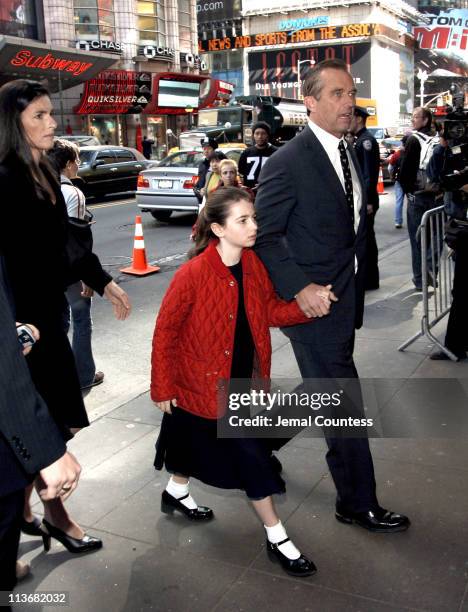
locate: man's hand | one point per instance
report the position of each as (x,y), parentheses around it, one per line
(59,479)
(315,300)
(120,302)
(166,405)
(86,291)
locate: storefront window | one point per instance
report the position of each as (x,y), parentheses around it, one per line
(94,19)
(151,22)
(184,24)
(18,18)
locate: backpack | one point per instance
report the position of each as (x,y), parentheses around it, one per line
(428,144)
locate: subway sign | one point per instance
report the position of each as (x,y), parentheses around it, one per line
(271,39)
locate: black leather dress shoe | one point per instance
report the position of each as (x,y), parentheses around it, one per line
(379,520)
(74,545)
(300,568)
(441,356)
(169,503)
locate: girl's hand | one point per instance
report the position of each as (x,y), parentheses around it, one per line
(166,405)
(86,291)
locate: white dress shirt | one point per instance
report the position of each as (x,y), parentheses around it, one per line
(330,144)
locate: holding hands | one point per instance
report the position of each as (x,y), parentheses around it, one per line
(315,300)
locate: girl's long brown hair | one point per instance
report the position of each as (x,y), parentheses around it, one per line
(216,210)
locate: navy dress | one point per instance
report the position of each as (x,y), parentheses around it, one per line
(188,444)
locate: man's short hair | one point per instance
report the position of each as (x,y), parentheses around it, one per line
(313,83)
(426,113)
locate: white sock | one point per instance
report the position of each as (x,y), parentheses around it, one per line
(178,490)
(276,534)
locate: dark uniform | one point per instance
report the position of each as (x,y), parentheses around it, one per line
(368,154)
(203,167)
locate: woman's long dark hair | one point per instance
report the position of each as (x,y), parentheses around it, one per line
(15,97)
(216,210)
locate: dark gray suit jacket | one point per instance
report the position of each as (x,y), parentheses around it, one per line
(29,438)
(306,235)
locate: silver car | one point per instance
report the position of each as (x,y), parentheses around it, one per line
(168,186)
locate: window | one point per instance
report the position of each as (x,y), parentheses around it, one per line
(124,156)
(106,156)
(185,35)
(94,19)
(151,22)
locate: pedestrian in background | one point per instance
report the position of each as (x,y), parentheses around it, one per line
(230,177)
(213,177)
(205,307)
(65,158)
(368,156)
(208,146)
(394,163)
(147,146)
(419,201)
(39,270)
(252,159)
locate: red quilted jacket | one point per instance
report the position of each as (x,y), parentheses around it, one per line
(194,334)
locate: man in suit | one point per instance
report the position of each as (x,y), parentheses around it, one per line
(30,443)
(311,209)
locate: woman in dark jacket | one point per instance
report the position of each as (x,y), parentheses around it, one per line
(33,239)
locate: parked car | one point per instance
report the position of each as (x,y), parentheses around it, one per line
(108,169)
(167,186)
(82,140)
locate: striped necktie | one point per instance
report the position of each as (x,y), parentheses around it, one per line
(348,181)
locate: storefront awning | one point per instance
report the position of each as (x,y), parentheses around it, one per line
(60,66)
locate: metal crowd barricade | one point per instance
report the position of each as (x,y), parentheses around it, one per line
(436,279)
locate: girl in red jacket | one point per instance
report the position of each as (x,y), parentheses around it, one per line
(213,325)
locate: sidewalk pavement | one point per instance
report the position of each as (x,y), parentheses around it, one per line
(154,562)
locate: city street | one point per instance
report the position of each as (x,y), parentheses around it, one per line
(166,244)
(150,561)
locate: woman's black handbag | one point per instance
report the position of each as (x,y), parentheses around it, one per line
(80,237)
(456,232)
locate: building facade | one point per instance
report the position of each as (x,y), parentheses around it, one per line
(279,43)
(128,41)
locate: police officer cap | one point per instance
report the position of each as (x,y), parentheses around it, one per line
(209,142)
(360,111)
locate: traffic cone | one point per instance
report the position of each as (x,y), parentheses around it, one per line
(139,265)
(380,184)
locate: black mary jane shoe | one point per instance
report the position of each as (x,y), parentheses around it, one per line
(74,545)
(32,528)
(169,503)
(378,521)
(300,568)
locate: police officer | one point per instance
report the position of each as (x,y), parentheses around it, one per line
(208,146)
(368,154)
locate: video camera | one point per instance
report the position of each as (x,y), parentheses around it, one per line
(456,133)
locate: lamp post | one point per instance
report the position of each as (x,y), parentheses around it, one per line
(311,62)
(422,76)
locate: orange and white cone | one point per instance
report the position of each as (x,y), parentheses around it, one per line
(139,265)
(380,183)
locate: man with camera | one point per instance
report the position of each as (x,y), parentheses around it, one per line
(419,200)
